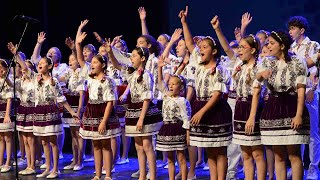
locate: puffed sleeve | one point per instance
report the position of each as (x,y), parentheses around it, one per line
(85,70)
(185,108)
(147,84)
(300,68)
(222,78)
(190,77)
(58,92)
(110,93)
(7,91)
(264,64)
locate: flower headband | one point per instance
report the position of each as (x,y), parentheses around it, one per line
(214,42)
(103,58)
(254,39)
(142,51)
(275,33)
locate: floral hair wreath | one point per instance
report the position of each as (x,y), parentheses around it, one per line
(275,33)
(142,51)
(214,42)
(265,33)
(253,38)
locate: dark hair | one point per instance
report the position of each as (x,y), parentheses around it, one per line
(32,64)
(298,21)
(4,63)
(214,45)
(155,45)
(253,42)
(142,52)
(283,38)
(91,48)
(50,62)
(102,60)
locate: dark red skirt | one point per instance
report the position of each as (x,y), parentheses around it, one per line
(122,107)
(73,101)
(276,118)
(215,127)
(47,120)
(151,124)
(171,137)
(242,113)
(25,117)
(91,120)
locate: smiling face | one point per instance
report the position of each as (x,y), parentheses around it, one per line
(175,86)
(181,48)
(44,66)
(274,47)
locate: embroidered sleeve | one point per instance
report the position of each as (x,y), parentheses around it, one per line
(110,93)
(222,77)
(185,108)
(301,71)
(84,71)
(147,84)
(58,92)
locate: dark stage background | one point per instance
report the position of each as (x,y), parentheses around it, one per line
(60,19)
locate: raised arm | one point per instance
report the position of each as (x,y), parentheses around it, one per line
(245,21)
(111,56)
(143,15)
(79,38)
(98,38)
(186,31)
(161,83)
(70,43)
(13,49)
(35,58)
(174,38)
(215,22)
(116,40)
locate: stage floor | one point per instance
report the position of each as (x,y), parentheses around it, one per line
(123,172)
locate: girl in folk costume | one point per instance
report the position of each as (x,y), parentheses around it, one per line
(211,124)
(143,118)
(47,123)
(99,122)
(176,112)
(114,74)
(25,113)
(6,126)
(59,69)
(284,122)
(75,97)
(248,108)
